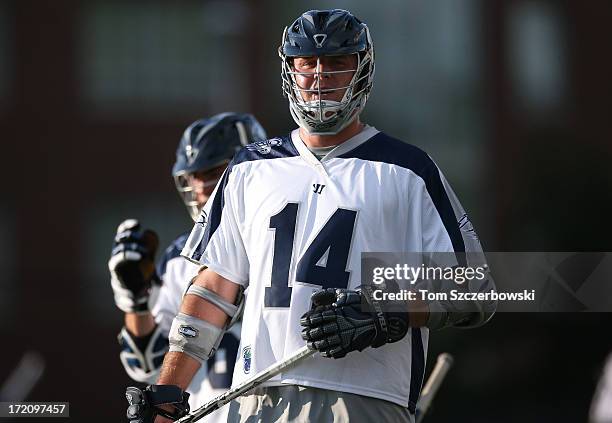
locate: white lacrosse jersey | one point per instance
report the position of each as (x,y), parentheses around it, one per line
(285,225)
(215,375)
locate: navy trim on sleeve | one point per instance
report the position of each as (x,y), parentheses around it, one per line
(383,148)
(417,369)
(274,148)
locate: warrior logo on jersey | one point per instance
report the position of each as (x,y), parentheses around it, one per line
(246,359)
(264,147)
(188,331)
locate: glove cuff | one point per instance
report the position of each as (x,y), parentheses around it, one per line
(125,300)
(375,308)
(145,404)
(391,326)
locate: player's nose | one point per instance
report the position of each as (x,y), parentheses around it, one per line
(322,70)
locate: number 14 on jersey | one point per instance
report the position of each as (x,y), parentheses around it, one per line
(324,262)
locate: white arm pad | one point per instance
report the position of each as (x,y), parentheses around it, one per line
(234,311)
(213,298)
(194,337)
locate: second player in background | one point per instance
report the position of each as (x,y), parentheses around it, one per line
(150,294)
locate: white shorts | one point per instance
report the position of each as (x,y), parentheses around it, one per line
(299,404)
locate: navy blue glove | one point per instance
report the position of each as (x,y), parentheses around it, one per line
(144,404)
(132,266)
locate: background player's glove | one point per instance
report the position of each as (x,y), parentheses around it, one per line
(342,321)
(132,266)
(144,404)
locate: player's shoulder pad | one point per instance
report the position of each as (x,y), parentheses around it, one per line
(273,148)
(173,251)
(384,148)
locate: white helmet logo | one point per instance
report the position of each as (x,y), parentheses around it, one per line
(319,39)
(191,153)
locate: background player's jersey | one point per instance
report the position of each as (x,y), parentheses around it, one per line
(291,224)
(215,375)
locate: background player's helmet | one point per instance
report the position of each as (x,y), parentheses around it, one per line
(327,33)
(209,143)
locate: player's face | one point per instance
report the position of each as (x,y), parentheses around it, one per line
(203,183)
(324,77)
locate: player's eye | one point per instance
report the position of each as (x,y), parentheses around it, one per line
(340,63)
(305,64)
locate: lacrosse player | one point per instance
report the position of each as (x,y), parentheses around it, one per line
(204,151)
(283,234)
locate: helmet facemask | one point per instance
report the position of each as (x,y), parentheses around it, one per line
(323,116)
(189,187)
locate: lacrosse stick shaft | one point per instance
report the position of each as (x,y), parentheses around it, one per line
(443,365)
(247,385)
(24,377)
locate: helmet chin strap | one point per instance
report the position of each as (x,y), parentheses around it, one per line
(323,107)
(312,131)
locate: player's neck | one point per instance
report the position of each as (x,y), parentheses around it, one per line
(347,133)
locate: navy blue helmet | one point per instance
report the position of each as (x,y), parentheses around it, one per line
(210,143)
(319,33)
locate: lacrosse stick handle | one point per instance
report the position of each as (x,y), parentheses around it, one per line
(443,365)
(23,378)
(247,385)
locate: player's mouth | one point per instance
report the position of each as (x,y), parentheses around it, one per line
(323,97)
(329,94)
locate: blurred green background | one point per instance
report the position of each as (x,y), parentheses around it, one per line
(512,99)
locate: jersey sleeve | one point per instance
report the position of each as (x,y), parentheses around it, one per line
(216,239)
(166,306)
(446,228)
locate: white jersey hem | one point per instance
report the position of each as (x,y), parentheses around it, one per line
(386,396)
(232,277)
